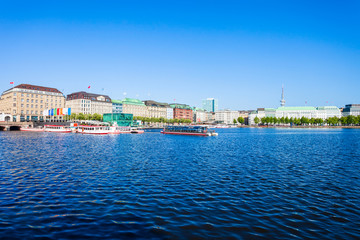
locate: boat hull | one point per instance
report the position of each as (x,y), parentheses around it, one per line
(59,131)
(31,130)
(186,133)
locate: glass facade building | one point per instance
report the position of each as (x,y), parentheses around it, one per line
(210,104)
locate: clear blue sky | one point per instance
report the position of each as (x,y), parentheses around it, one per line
(239,52)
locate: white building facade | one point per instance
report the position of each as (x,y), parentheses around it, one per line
(89,103)
(226,116)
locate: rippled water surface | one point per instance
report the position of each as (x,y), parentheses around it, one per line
(242,184)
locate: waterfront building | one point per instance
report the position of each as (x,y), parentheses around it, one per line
(351,109)
(210,116)
(169,112)
(135,107)
(328,111)
(295,112)
(200,115)
(226,116)
(182,111)
(245,115)
(210,104)
(156,109)
(116,106)
(5,117)
(27,102)
(89,103)
(121,119)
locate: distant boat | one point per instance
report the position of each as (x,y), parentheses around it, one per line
(189,130)
(136,131)
(119,130)
(222,126)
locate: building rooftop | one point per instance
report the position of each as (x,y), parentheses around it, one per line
(156,104)
(37,88)
(327,108)
(116,101)
(133,101)
(181,106)
(295,108)
(90,96)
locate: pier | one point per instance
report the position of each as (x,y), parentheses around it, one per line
(14,126)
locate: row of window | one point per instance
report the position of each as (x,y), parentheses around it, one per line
(36,101)
(32,95)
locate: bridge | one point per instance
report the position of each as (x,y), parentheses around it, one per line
(13,126)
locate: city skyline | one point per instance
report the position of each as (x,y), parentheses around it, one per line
(186,52)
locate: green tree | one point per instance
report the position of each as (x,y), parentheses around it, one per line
(343,121)
(350,120)
(234,121)
(73,116)
(304,120)
(287,120)
(97,117)
(256,120)
(81,116)
(241,120)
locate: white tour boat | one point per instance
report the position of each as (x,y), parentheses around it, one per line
(94,129)
(57,128)
(119,129)
(30,129)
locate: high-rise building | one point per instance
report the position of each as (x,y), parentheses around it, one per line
(210,104)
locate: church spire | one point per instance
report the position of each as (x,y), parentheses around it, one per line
(282,97)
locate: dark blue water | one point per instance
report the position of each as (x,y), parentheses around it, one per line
(243,184)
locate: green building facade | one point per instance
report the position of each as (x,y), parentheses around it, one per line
(122,119)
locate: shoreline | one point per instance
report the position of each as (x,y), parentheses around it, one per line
(350,127)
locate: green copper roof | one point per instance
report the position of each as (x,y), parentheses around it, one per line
(182,106)
(116,101)
(133,101)
(328,108)
(296,109)
(270,109)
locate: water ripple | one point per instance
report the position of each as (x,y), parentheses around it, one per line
(243,184)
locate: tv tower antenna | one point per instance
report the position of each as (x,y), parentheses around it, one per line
(282,97)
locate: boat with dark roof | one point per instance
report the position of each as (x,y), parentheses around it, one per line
(189,130)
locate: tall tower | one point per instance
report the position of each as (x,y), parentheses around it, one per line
(282,97)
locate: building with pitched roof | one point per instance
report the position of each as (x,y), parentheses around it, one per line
(135,107)
(26,102)
(182,111)
(295,112)
(89,103)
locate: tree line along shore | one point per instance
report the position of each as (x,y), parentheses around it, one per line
(304,121)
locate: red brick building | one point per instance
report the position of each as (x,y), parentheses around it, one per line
(182,111)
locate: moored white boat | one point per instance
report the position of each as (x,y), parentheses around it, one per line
(57,128)
(30,129)
(100,130)
(136,131)
(119,130)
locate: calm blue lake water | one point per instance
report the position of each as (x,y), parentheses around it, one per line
(242,184)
